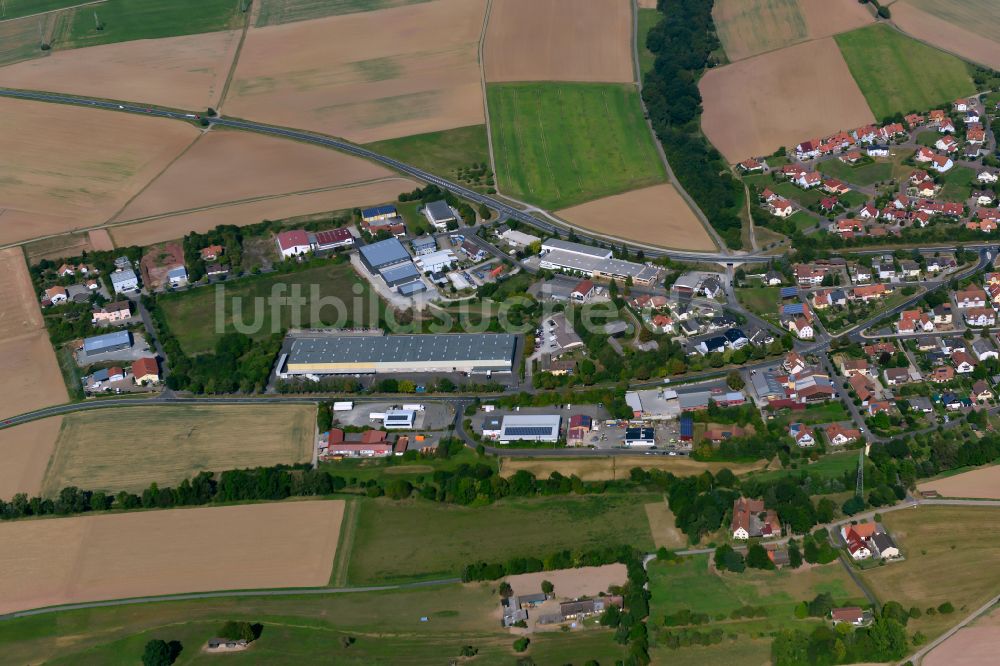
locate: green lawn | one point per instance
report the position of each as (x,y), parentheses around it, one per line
(193,318)
(865,174)
(898,74)
(803,220)
(299,629)
(958,184)
(823,413)
(273,12)
(417,539)
(560,144)
(646,20)
(852,200)
(928,138)
(127,20)
(759,300)
(14,8)
(828,467)
(441,153)
(797,194)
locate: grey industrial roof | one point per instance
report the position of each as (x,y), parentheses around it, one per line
(384,253)
(123,276)
(180,271)
(591,264)
(424,241)
(107,340)
(439,211)
(576,248)
(530,425)
(403,348)
(400,273)
(412,288)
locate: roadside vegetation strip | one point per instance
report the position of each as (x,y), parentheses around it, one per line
(187,439)
(899,75)
(561,144)
(619,467)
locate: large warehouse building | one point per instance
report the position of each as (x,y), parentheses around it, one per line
(480,353)
(530,428)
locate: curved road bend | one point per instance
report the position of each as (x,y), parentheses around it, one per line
(504,209)
(223,594)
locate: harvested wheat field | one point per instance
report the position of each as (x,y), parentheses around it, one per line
(233,166)
(57,247)
(976,39)
(186,439)
(647,4)
(27,361)
(825,18)
(972,645)
(982,483)
(755,106)
(571,583)
(185,72)
(168,227)
(653,215)
(367,76)
(100,240)
(75,167)
(90,558)
(663,526)
(556,40)
(25,451)
(618,467)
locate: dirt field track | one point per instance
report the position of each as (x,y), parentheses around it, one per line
(175,226)
(553,40)
(957,38)
(186,440)
(27,361)
(186,72)
(599,469)
(982,483)
(25,451)
(90,558)
(366,76)
(655,215)
(757,105)
(65,167)
(233,166)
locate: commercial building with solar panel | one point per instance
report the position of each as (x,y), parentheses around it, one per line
(530,428)
(471,353)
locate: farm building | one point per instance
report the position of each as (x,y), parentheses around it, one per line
(439,213)
(530,428)
(109,342)
(379,213)
(125,280)
(459,352)
(332,239)
(293,243)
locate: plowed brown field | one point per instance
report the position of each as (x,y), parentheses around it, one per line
(174,226)
(366,76)
(65,168)
(186,72)
(559,40)
(958,39)
(233,166)
(982,483)
(655,215)
(90,558)
(755,106)
(25,451)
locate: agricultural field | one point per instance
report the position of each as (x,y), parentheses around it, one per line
(552,40)
(25,451)
(127,20)
(939,538)
(654,215)
(415,539)
(169,226)
(275,12)
(113,556)
(19,39)
(191,313)
(898,74)
(187,439)
(185,72)
(980,483)
(16,8)
(663,526)
(204,175)
(974,644)
(615,467)
(968,28)
(560,144)
(747,652)
(749,28)
(755,106)
(67,167)
(405,82)
(31,373)
(386,626)
(441,152)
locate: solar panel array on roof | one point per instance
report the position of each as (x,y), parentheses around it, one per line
(524,431)
(793,308)
(788,292)
(487,349)
(375,211)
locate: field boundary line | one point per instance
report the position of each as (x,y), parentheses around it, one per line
(53,11)
(248,19)
(348,526)
(482,85)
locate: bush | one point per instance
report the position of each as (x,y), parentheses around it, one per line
(946,608)
(521,644)
(160,653)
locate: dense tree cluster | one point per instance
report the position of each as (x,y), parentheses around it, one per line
(883,640)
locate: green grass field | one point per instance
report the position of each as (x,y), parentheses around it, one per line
(273,12)
(824,413)
(898,74)
(958,184)
(759,300)
(441,153)
(647,18)
(192,314)
(803,220)
(15,8)
(979,16)
(127,20)
(865,174)
(300,629)
(829,466)
(416,539)
(560,144)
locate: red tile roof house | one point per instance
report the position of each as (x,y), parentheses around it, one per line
(850,614)
(973,297)
(912,321)
(964,363)
(942,374)
(981,391)
(293,243)
(747,521)
(856,545)
(980,316)
(838,435)
(211,252)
